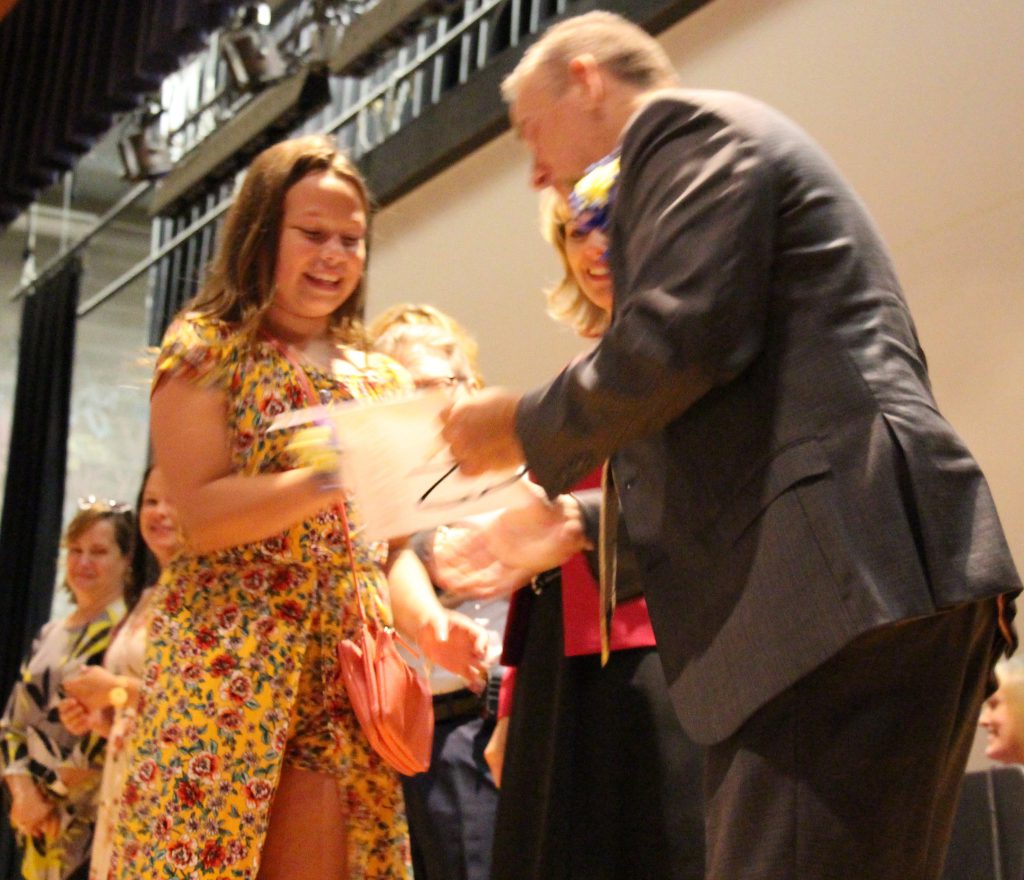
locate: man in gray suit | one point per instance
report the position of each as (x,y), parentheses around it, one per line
(824,566)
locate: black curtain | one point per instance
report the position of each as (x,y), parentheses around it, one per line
(34,493)
(71,65)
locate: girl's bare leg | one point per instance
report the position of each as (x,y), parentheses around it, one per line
(307,836)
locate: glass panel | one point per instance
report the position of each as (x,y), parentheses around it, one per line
(10,324)
(14,246)
(109,428)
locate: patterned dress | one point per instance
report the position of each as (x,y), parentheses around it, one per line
(241,672)
(35,743)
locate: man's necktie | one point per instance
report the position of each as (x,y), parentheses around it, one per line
(607,531)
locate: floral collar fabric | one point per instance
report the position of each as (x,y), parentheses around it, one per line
(592,197)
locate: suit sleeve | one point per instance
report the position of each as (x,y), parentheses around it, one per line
(691,239)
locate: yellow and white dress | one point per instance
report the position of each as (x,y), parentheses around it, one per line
(241,671)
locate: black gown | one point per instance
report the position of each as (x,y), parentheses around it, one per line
(599,782)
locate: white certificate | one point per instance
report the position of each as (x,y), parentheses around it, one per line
(398,470)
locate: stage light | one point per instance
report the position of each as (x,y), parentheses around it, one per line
(251,54)
(144,151)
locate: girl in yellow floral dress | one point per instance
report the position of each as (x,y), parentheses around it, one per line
(247,759)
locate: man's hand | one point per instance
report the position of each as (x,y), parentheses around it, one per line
(493,554)
(464,565)
(481,431)
(540,535)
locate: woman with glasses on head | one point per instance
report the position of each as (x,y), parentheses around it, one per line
(51,772)
(247,759)
(104,698)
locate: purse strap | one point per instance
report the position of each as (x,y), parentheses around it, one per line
(309,393)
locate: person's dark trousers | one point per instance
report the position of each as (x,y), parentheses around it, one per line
(451,808)
(639,815)
(853,773)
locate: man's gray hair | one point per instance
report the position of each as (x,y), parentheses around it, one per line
(622,48)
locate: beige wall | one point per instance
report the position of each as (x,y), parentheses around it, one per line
(922,106)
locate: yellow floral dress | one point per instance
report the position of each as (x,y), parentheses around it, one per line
(241,666)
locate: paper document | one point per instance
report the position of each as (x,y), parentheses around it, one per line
(399,471)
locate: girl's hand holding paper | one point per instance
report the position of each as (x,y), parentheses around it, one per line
(317,447)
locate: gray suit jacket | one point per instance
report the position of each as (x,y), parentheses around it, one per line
(785,476)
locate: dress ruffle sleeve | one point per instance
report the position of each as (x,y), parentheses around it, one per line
(200,349)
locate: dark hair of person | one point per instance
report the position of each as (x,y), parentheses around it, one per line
(144,568)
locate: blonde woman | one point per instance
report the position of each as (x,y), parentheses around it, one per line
(1002,716)
(621,794)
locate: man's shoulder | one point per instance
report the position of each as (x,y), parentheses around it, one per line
(699,106)
(695,122)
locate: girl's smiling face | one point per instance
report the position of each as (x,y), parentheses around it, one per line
(321,253)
